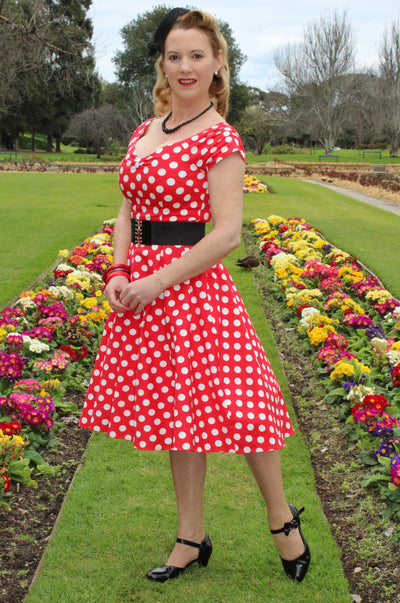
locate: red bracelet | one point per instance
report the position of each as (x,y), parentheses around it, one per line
(115,267)
(113,273)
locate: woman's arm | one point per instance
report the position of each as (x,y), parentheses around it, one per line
(121,242)
(225,182)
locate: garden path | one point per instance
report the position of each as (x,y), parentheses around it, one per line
(359,196)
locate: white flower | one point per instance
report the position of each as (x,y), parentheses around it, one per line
(62,291)
(309,312)
(379,343)
(26,302)
(281,260)
(38,346)
(356,394)
(393,357)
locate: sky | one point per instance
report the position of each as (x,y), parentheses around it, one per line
(260,28)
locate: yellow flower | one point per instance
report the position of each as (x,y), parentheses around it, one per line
(273,219)
(378,296)
(362,367)
(342,369)
(317,335)
(106,306)
(351,304)
(64,253)
(88,302)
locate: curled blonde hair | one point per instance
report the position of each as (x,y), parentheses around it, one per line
(220,86)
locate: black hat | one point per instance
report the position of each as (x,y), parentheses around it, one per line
(163,29)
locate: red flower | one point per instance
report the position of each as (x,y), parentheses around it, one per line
(83,352)
(6,479)
(10,427)
(372,401)
(377,401)
(67,348)
(396,376)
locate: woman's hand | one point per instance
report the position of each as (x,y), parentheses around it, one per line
(113,292)
(138,294)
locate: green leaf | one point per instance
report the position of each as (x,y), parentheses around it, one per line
(19,471)
(34,456)
(373,479)
(384,461)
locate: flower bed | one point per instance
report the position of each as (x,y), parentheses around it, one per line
(254,185)
(352,324)
(48,342)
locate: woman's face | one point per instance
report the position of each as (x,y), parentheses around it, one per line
(189,63)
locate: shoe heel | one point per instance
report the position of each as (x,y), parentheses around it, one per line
(205,552)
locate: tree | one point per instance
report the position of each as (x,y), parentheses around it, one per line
(388,99)
(314,76)
(21,49)
(48,61)
(98,129)
(135,69)
(255,124)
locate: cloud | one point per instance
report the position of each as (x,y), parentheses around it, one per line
(259,27)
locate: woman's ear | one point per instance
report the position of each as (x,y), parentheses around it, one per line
(220,60)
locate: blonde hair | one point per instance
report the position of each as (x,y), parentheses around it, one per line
(220,85)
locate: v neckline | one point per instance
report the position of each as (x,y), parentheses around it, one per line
(168,144)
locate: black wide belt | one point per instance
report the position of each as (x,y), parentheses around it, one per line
(148,232)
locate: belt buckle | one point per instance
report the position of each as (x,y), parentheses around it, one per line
(138,231)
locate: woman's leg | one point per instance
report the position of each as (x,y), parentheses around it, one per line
(188,474)
(266,468)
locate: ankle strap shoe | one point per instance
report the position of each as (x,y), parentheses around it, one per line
(167,572)
(297,568)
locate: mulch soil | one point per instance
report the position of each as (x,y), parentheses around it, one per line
(368,547)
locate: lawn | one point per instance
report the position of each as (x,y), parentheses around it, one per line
(43,213)
(121,511)
(119,517)
(344,156)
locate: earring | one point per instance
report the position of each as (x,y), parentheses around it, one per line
(166,76)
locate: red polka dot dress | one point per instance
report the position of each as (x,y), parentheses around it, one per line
(189,372)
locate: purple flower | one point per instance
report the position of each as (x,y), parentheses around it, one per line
(348,385)
(375,331)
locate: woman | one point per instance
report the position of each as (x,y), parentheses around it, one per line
(180,366)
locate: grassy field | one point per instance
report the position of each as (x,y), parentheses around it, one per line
(344,155)
(119,521)
(304,155)
(43,213)
(119,517)
(368,233)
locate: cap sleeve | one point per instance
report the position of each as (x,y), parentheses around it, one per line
(224,141)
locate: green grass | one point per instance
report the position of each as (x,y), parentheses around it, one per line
(119,517)
(367,232)
(120,520)
(68,155)
(345,155)
(43,213)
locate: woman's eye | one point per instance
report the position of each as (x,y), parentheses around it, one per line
(173,57)
(198,55)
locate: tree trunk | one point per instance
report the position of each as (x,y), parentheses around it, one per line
(58,144)
(33,143)
(49,148)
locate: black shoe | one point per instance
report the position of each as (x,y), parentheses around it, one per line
(297,568)
(166,572)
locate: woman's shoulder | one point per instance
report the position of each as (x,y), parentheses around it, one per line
(221,140)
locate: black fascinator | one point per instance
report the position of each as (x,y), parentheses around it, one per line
(163,29)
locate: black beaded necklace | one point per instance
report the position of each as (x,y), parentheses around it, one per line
(170,130)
